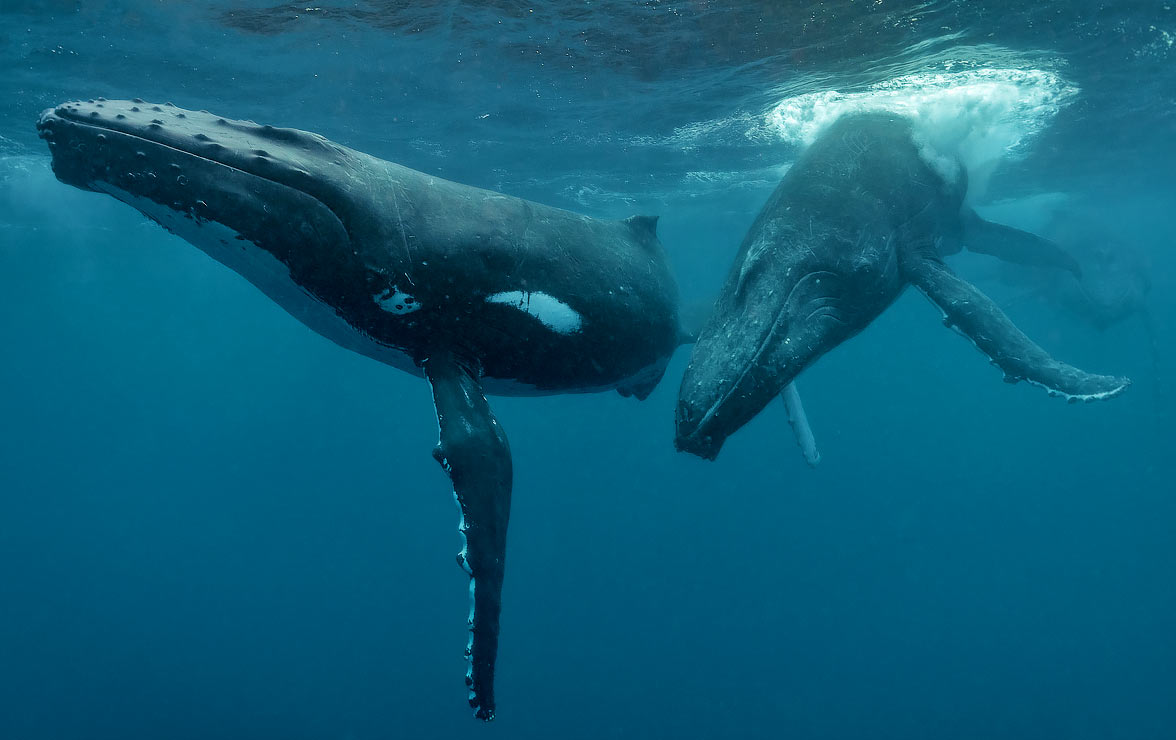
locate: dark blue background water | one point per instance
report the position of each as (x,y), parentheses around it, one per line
(214,523)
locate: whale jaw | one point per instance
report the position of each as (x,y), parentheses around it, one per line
(246,210)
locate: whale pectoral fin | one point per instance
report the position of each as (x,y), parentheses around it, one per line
(975,315)
(640,389)
(800,426)
(474,452)
(1015,245)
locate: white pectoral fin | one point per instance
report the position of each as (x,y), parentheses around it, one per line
(800,425)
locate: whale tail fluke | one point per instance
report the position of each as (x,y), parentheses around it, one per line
(974,315)
(474,451)
(1014,245)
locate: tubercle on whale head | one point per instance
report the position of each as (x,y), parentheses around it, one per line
(79,132)
(160,159)
(278,204)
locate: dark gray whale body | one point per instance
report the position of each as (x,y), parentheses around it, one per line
(477,291)
(857,218)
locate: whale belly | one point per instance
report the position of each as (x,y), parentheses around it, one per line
(267,274)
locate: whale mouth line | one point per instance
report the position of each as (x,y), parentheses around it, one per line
(822,311)
(753,363)
(90,125)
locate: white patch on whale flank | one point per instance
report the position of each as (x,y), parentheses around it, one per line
(268,274)
(551,311)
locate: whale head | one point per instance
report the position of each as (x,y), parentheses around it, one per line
(291,211)
(790,298)
(264,183)
(817,266)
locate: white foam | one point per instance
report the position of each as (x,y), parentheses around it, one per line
(551,311)
(982,115)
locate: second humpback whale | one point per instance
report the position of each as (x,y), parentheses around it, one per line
(863,213)
(476,291)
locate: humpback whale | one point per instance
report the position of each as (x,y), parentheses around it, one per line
(863,213)
(1115,274)
(476,291)
(1115,280)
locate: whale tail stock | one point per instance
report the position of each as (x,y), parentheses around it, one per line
(1014,245)
(977,317)
(473,450)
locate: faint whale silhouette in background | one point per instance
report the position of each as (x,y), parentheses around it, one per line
(1116,275)
(1115,281)
(858,217)
(1114,278)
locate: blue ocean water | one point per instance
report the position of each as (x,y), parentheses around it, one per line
(215,523)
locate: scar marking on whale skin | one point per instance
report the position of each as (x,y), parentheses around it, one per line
(551,311)
(394,300)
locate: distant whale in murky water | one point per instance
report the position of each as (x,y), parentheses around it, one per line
(858,217)
(476,291)
(1115,281)
(1115,277)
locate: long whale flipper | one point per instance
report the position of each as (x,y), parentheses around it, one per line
(474,452)
(501,295)
(974,315)
(1014,245)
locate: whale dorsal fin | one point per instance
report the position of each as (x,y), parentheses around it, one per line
(975,316)
(642,225)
